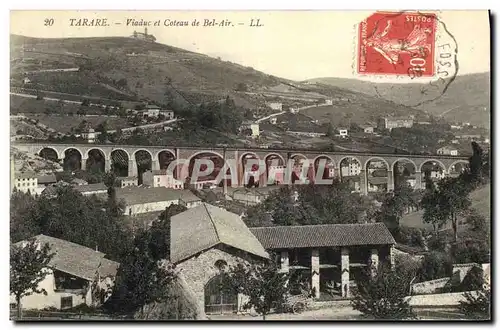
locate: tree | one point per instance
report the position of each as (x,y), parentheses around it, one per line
(64,214)
(330,130)
(394,206)
(382,295)
(446,203)
(142,280)
(477,305)
(262,283)
(317,204)
(159,244)
(28,267)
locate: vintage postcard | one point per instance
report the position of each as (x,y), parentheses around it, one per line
(229,165)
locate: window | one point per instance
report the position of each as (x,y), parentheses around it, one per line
(66,302)
(158,180)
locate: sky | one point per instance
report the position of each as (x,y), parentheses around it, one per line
(296,45)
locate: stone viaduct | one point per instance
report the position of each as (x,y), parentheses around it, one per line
(236,155)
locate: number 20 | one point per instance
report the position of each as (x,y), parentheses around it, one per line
(48,22)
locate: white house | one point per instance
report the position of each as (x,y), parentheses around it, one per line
(275,105)
(273,120)
(168,114)
(343,133)
(89,135)
(368,129)
(26,182)
(252,126)
(446,150)
(161,178)
(127,181)
(145,199)
(75,276)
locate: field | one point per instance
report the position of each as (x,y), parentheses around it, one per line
(64,124)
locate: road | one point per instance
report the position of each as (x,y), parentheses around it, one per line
(338,313)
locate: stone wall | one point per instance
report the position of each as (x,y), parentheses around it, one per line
(199,269)
(429,286)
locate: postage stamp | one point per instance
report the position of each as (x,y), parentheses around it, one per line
(397,43)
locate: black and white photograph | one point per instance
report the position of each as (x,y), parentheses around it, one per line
(237,165)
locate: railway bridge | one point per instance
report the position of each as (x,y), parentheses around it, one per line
(338,163)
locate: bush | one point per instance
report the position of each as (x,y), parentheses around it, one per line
(471,251)
(477,305)
(437,242)
(409,236)
(382,296)
(435,265)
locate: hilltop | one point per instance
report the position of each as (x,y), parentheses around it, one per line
(129,70)
(467,94)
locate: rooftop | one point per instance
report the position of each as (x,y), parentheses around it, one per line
(76,259)
(142,194)
(25,175)
(213,225)
(286,237)
(92,187)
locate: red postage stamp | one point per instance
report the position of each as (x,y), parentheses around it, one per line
(397,43)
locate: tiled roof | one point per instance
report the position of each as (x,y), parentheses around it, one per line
(284,237)
(46,179)
(92,187)
(141,195)
(25,175)
(76,259)
(205,226)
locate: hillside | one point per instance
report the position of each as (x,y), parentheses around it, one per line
(481,201)
(129,70)
(466,95)
(124,68)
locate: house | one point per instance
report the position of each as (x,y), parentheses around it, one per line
(328,102)
(127,181)
(350,167)
(89,135)
(161,178)
(143,36)
(334,254)
(189,200)
(144,199)
(368,129)
(251,196)
(92,189)
(293,110)
(204,241)
(447,150)
(26,80)
(278,106)
(396,122)
(72,274)
(151,110)
(168,114)
(273,120)
(26,182)
(342,132)
(251,126)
